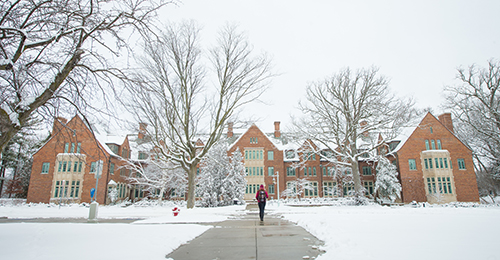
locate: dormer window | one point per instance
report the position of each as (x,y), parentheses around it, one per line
(114,148)
(290,154)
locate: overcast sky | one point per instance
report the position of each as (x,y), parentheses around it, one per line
(418,45)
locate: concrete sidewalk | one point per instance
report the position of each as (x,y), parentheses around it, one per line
(248,238)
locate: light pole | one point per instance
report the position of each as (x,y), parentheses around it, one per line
(277,181)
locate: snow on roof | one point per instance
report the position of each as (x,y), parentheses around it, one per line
(138,145)
(403,137)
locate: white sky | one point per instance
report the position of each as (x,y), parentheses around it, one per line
(417,44)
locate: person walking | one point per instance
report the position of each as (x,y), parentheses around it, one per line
(261,197)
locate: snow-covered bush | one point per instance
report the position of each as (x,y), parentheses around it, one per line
(387,186)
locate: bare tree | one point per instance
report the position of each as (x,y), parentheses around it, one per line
(348,112)
(172,93)
(54,53)
(475,104)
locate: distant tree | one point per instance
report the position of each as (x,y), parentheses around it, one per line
(475,104)
(188,114)
(347,112)
(222,178)
(58,53)
(387,186)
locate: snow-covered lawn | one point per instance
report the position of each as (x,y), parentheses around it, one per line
(151,238)
(365,232)
(375,232)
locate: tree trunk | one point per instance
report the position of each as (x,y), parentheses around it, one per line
(191,186)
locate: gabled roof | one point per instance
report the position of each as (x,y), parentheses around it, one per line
(407,132)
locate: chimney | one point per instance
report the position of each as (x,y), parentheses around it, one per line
(58,124)
(142,130)
(445,119)
(363,124)
(277,133)
(230,129)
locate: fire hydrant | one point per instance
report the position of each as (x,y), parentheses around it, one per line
(176,211)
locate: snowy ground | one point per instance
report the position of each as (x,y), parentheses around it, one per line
(365,232)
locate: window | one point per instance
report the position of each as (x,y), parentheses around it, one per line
(60,167)
(144,156)
(75,189)
(412,164)
(329,188)
(139,193)
(437,163)
(439,144)
(448,183)
(323,169)
(66,147)
(270,155)
(61,189)
(78,147)
(253,154)
(427,145)
(123,172)
(271,188)
(430,163)
(56,190)
(45,167)
(433,145)
(367,170)
(93,167)
(445,163)
(312,190)
(75,167)
(290,171)
(431,185)
(270,171)
(253,140)
(64,166)
(426,164)
(348,189)
(369,187)
(124,153)
(431,129)
(314,171)
(441,163)
(80,167)
(461,164)
(72,148)
(290,154)
(112,168)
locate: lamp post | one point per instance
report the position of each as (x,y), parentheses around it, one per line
(277,181)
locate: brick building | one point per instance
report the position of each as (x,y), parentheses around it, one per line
(64,169)
(433,164)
